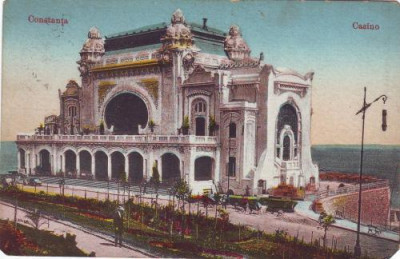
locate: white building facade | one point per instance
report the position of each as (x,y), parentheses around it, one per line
(186,99)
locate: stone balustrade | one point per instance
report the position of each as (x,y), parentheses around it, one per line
(140,139)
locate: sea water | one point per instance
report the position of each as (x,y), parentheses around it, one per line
(380,161)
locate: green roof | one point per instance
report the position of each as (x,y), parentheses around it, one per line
(147,28)
(163,25)
(135,49)
(199,27)
(210,47)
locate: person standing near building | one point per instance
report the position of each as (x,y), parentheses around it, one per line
(118,225)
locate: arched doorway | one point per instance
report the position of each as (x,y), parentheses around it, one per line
(85,162)
(101,165)
(203,168)
(21,158)
(135,167)
(200,126)
(117,165)
(286,148)
(170,168)
(287,116)
(44,162)
(125,112)
(70,162)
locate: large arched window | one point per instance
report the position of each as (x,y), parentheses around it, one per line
(287,116)
(287,130)
(199,115)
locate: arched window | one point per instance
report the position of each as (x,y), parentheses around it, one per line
(232,130)
(72,111)
(287,116)
(199,116)
(200,107)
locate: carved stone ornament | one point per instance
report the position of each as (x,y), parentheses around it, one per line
(188,62)
(235,46)
(280,88)
(93,49)
(178,34)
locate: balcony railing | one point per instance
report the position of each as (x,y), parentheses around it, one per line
(151,139)
(292,164)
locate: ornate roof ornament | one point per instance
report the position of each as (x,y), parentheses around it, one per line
(94,43)
(178,34)
(72,88)
(235,46)
(92,51)
(177,17)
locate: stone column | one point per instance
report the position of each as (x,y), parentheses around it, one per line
(78,165)
(55,165)
(28,162)
(92,168)
(52,164)
(126,166)
(19,159)
(109,166)
(217,177)
(63,163)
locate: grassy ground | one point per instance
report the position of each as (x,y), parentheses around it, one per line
(201,237)
(30,241)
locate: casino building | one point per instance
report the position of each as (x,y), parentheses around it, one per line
(185,98)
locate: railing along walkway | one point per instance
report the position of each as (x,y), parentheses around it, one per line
(352,189)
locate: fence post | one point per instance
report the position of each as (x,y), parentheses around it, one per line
(312,232)
(85,194)
(47,188)
(239,232)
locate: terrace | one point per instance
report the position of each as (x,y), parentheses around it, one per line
(133,139)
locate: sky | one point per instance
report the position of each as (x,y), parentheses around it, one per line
(38,59)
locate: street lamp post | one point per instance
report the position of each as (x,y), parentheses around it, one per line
(357,247)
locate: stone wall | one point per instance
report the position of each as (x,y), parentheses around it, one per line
(374,209)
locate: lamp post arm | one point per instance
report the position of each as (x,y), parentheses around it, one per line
(367,105)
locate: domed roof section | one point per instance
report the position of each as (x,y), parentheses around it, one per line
(94,43)
(72,88)
(235,45)
(178,34)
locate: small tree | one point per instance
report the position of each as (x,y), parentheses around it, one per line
(35,218)
(185,125)
(217,198)
(40,128)
(101,127)
(151,125)
(325,221)
(122,178)
(182,193)
(212,126)
(155,182)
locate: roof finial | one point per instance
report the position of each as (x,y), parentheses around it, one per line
(177,17)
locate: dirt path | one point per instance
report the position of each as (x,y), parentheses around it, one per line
(102,245)
(304,228)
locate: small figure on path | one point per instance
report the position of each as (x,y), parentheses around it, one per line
(118,225)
